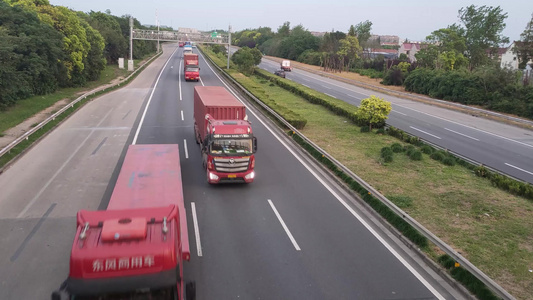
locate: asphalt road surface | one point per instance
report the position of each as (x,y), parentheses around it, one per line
(291,234)
(503,147)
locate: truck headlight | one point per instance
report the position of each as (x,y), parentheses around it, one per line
(213,176)
(250,175)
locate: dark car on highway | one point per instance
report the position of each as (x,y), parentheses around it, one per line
(280,73)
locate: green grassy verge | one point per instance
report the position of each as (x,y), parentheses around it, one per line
(27,109)
(490,227)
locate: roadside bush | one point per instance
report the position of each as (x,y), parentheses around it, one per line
(415,155)
(437,156)
(427,149)
(386,151)
(380,131)
(365,129)
(449,161)
(397,147)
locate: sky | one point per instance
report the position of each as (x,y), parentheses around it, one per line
(408,19)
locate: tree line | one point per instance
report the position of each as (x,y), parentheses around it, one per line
(457,63)
(45,47)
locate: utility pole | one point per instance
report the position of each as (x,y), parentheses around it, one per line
(229,44)
(130,61)
(157,23)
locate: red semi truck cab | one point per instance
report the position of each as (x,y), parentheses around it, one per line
(191,69)
(225,135)
(141,241)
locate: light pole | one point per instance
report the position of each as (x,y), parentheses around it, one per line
(229,43)
(130,61)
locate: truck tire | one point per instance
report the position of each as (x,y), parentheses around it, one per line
(190,290)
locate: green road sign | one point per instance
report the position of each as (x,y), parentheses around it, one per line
(214,34)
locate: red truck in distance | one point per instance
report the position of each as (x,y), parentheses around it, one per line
(191,69)
(181,44)
(138,245)
(224,134)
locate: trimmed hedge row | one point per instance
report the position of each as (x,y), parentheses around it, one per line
(474,285)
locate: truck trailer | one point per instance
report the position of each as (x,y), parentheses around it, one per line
(138,245)
(191,69)
(225,136)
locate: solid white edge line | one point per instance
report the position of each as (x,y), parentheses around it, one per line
(307,86)
(518,168)
(196,230)
(150,99)
(185,148)
(330,95)
(404,262)
(425,132)
(182,116)
(179,81)
(287,231)
(473,138)
(201,81)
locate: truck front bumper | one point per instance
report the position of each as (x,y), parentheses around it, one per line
(214,177)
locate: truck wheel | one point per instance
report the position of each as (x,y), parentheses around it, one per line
(190,290)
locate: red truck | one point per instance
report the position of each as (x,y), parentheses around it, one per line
(224,134)
(180,44)
(137,246)
(285,65)
(191,69)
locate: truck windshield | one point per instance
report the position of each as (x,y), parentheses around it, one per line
(192,69)
(231,147)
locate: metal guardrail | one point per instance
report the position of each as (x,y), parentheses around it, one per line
(497,289)
(26,135)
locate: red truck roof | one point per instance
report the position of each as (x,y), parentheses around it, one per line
(143,232)
(191,62)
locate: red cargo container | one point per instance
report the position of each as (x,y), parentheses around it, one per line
(140,242)
(224,134)
(191,69)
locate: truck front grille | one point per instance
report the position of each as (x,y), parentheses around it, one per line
(231,165)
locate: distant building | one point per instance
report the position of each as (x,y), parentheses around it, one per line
(318,34)
(410,49)
(188,30)
(508,58)
(384,40)
(386,53)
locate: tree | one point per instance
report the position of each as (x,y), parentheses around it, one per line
(30,55)
(445,48)
(107,25)
(94,62)
(362,31)
(373,110)
(351,31)
(484,26)
(284,30)
(349,50)
(524,48)
(246,59)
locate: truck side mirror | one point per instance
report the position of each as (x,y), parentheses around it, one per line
(254,144)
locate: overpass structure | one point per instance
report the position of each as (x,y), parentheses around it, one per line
(176,36)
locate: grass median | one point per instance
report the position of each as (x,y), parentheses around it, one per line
(490,227)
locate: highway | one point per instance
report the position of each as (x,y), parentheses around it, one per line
(291,234)
(503,147)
